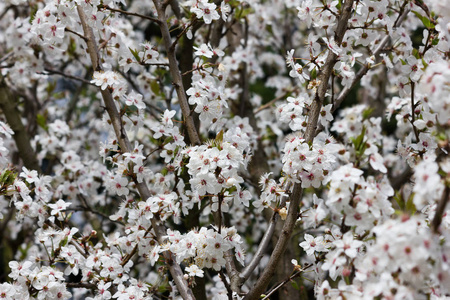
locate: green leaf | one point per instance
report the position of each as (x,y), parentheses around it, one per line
(64,242)
(167,140)
(135,54)
(358,141)
(399,199)
(410,207)
(154,86)
(10,177)
(42,122)
(219,136)
(425,65)
(416,53)
(295,285)
(367,113)
(313,74)
(234,3)
(425,21)
(34,9)
(243,12)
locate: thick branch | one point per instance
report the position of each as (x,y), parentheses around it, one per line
(8,104)
(297,193)
(125,146)
(280,247)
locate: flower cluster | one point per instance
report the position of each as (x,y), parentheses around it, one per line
(209,97)
(361,201)
(310,165)
(203,9)
(404,249)
(213,173)
(206,248)
(292,112)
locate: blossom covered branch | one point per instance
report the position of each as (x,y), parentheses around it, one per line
(224,149)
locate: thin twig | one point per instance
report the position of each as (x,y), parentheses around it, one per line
(172,47)
(5,11)
(227,285)
(273,101)
(52,71)
(150,108)
(135,249)
(6,56)
(155,64)
(76,33)
(91,286)
(265,241)
(284,282)
(262,247)
(413,112)
(87,208)
(131,14)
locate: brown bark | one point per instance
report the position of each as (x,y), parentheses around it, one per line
(8,104)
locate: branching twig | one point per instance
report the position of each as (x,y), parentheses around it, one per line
(88,208)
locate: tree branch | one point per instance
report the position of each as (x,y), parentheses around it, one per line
(125,145)
(297,193)
(265,241)
(440,210)
(176,75)
(8,104)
